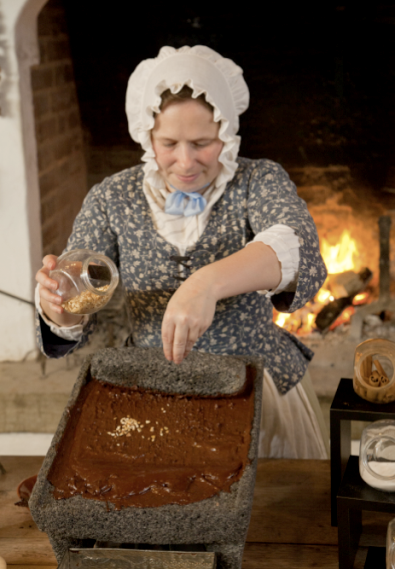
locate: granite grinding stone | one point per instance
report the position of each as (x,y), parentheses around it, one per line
(148,368)
(220,522)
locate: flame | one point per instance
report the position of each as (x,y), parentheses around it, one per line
(323,296)
(282,318)
(338,259)
(308,324)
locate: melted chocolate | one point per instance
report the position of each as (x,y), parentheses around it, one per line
(182,449)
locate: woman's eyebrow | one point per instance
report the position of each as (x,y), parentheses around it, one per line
(199,139)
(164,138)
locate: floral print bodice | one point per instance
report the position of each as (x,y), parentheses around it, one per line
(115,220)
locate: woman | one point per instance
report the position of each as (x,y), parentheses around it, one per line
(178,228)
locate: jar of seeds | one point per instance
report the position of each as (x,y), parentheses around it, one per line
(86,280)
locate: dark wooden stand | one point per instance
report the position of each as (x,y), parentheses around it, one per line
(350,495)
(347,406)
(353,497)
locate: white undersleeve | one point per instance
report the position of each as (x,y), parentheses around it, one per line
(285,243)
(71,333)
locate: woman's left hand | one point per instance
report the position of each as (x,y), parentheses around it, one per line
(188,315)
(191,309)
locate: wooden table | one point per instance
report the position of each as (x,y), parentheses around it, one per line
(290,525)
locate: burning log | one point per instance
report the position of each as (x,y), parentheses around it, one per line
(333,309)
(348,283)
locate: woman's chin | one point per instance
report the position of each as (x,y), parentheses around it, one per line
(188,187)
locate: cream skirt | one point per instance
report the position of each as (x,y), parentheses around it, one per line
(292,425)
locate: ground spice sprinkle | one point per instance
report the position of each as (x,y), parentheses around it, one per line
(127,424)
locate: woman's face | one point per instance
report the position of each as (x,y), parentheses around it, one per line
(186,145)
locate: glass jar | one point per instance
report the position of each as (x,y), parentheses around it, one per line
(377,455)
(390,549)
(86,280)
(374,370)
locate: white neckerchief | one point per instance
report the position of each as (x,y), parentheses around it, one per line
(180,231)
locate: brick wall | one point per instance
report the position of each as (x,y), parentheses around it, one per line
(60,145)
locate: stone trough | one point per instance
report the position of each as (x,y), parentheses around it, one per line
(220,522)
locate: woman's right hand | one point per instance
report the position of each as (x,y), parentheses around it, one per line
(51,303)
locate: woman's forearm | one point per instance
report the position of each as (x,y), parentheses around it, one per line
(191,309)
(253,268)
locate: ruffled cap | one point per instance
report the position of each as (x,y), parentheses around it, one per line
(206,72)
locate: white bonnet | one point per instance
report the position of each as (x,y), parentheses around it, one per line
(205,72)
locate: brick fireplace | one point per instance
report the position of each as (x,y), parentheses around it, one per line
(61,157)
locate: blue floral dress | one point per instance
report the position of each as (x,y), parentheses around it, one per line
(116,220)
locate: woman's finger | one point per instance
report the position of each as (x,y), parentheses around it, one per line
(50,301)
(167,339)
(189,346)
(49,296)
(45,281)
(192,335)
(180,342)
(49,262)
(42,276)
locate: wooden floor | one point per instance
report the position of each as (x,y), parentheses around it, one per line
(290,524)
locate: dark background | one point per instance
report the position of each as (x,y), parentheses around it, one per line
(321,78)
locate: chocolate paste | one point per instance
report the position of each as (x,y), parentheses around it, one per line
(135,447)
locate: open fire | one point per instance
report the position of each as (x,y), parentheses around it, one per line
(343,263)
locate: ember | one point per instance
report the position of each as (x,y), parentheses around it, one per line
(361,298)
(344,317)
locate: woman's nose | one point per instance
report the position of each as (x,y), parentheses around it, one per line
(185,156)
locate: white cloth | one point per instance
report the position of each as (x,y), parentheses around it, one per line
(179,230)
(285,243)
